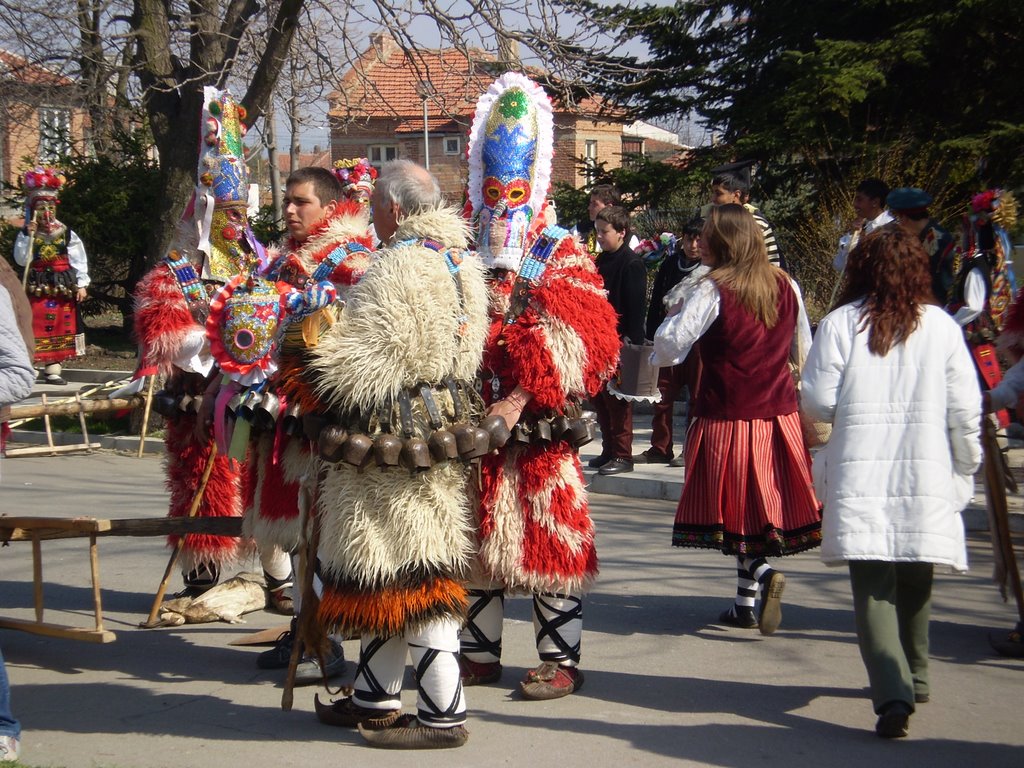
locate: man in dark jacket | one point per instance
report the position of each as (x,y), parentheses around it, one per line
(625,280)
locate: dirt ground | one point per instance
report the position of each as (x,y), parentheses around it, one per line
(108,347)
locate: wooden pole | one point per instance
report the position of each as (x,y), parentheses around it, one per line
(307,564)
(46,423)
(71,408)
(145,415)
(196,501)
(1002,543)
(81,421)
(28,260)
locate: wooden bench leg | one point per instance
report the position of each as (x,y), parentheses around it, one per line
(37,575)
(94,564)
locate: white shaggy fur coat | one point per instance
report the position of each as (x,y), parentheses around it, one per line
(388,530)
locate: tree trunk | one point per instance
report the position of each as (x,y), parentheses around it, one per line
(275,171)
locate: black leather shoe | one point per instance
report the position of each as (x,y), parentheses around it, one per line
(678,461)
(616,467)
(652,456)
(599,461)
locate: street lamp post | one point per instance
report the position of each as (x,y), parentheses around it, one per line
(425,89)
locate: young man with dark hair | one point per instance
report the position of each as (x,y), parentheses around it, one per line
(311,196)
(869,207)
(733,186)
(625,280)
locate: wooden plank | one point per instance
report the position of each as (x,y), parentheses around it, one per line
(263,637)
(13,453)
(83,524)
(59,630)
(165,526)
(20,529)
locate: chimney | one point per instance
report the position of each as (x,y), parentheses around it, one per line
(377,41)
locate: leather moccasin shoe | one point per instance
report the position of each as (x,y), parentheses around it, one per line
(409,733)
(345,713)
(479,673)
(551,681)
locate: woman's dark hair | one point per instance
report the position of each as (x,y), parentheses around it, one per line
(889,271)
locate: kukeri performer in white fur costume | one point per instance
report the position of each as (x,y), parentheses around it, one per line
(396,538)
(552,342)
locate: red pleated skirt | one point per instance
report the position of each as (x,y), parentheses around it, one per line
(748,488)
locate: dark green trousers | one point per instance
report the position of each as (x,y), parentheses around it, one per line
(892,605)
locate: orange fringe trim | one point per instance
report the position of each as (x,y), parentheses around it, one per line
(389,611)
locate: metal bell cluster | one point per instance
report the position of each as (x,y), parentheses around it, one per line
(173,405)
(414,439)
(260,409)
(574,430)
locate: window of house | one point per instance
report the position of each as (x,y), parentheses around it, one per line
(54,133)
(452,145)
(382,153)
(632,151)
(590,161)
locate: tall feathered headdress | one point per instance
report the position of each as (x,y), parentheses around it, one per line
(510,149)
(221,201)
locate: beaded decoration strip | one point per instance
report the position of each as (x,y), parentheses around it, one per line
(532,268)
(184,272)
(330,262)
(453,259)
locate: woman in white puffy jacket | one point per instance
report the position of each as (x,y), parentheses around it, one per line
(892,372)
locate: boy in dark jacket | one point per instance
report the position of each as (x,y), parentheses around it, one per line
(625,280)
(682,263)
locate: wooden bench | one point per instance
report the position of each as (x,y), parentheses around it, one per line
(39,529)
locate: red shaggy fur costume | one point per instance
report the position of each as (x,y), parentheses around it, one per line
(535,529)
(163,325)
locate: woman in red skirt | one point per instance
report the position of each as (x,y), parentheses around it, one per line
(748,485)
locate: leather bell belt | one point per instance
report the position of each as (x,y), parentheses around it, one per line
(424,426)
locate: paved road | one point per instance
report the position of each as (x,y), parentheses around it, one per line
(665,685)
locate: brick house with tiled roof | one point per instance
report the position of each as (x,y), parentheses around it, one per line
(41,116)
(377,112)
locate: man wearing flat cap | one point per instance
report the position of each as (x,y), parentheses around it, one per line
(909,206)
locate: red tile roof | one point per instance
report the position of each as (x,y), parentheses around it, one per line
(384,83)
(15,67)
